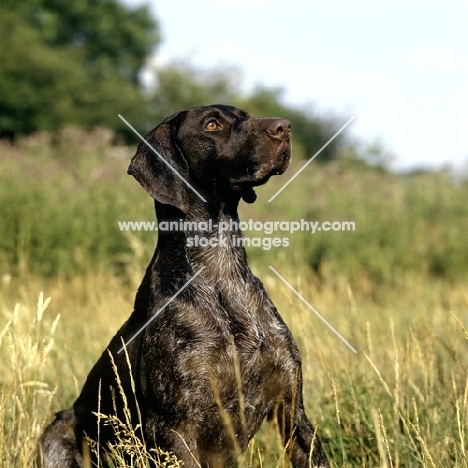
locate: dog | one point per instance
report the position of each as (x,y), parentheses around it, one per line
(205,357)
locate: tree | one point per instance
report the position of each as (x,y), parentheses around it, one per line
(71,63)
(111,37)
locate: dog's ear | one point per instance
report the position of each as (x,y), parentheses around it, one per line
(150,165)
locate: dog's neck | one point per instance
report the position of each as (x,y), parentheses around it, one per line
(207,236)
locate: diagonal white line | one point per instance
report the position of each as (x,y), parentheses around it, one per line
(312,158)
(312,309)
(160,310)
(162,159)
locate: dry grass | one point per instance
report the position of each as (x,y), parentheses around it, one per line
(26,342)
(401,401)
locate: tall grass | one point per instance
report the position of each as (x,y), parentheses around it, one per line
(26,341)
(401,401)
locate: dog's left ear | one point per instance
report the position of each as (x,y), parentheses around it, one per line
(158,163)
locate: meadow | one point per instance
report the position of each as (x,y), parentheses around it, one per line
(394,288)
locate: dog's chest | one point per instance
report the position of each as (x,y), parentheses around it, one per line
(252,336)
(250,363)
(224,350)
(245,312)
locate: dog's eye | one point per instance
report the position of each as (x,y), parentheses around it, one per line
(212,125)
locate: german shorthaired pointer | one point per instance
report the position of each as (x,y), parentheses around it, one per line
(217,359)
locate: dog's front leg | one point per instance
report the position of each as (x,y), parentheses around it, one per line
(301,441)
(179,442)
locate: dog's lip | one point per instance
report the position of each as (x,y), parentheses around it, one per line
(279,168)
(284,164)
(246,184)
(240,186)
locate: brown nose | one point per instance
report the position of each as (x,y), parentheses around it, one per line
(278,129)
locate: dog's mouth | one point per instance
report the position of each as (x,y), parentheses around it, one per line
(284,161)
(244,186)
(248,182)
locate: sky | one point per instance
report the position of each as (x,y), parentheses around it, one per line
(401,67)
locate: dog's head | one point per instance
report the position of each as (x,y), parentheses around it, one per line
(215,149)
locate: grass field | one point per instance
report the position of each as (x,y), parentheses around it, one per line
(395,289)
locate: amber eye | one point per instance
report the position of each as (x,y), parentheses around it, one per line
(212,125)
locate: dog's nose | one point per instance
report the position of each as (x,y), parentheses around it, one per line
(279,129)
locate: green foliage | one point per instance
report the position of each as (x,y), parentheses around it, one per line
(403,223)
(113,39)
(77,64)
(64,219)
